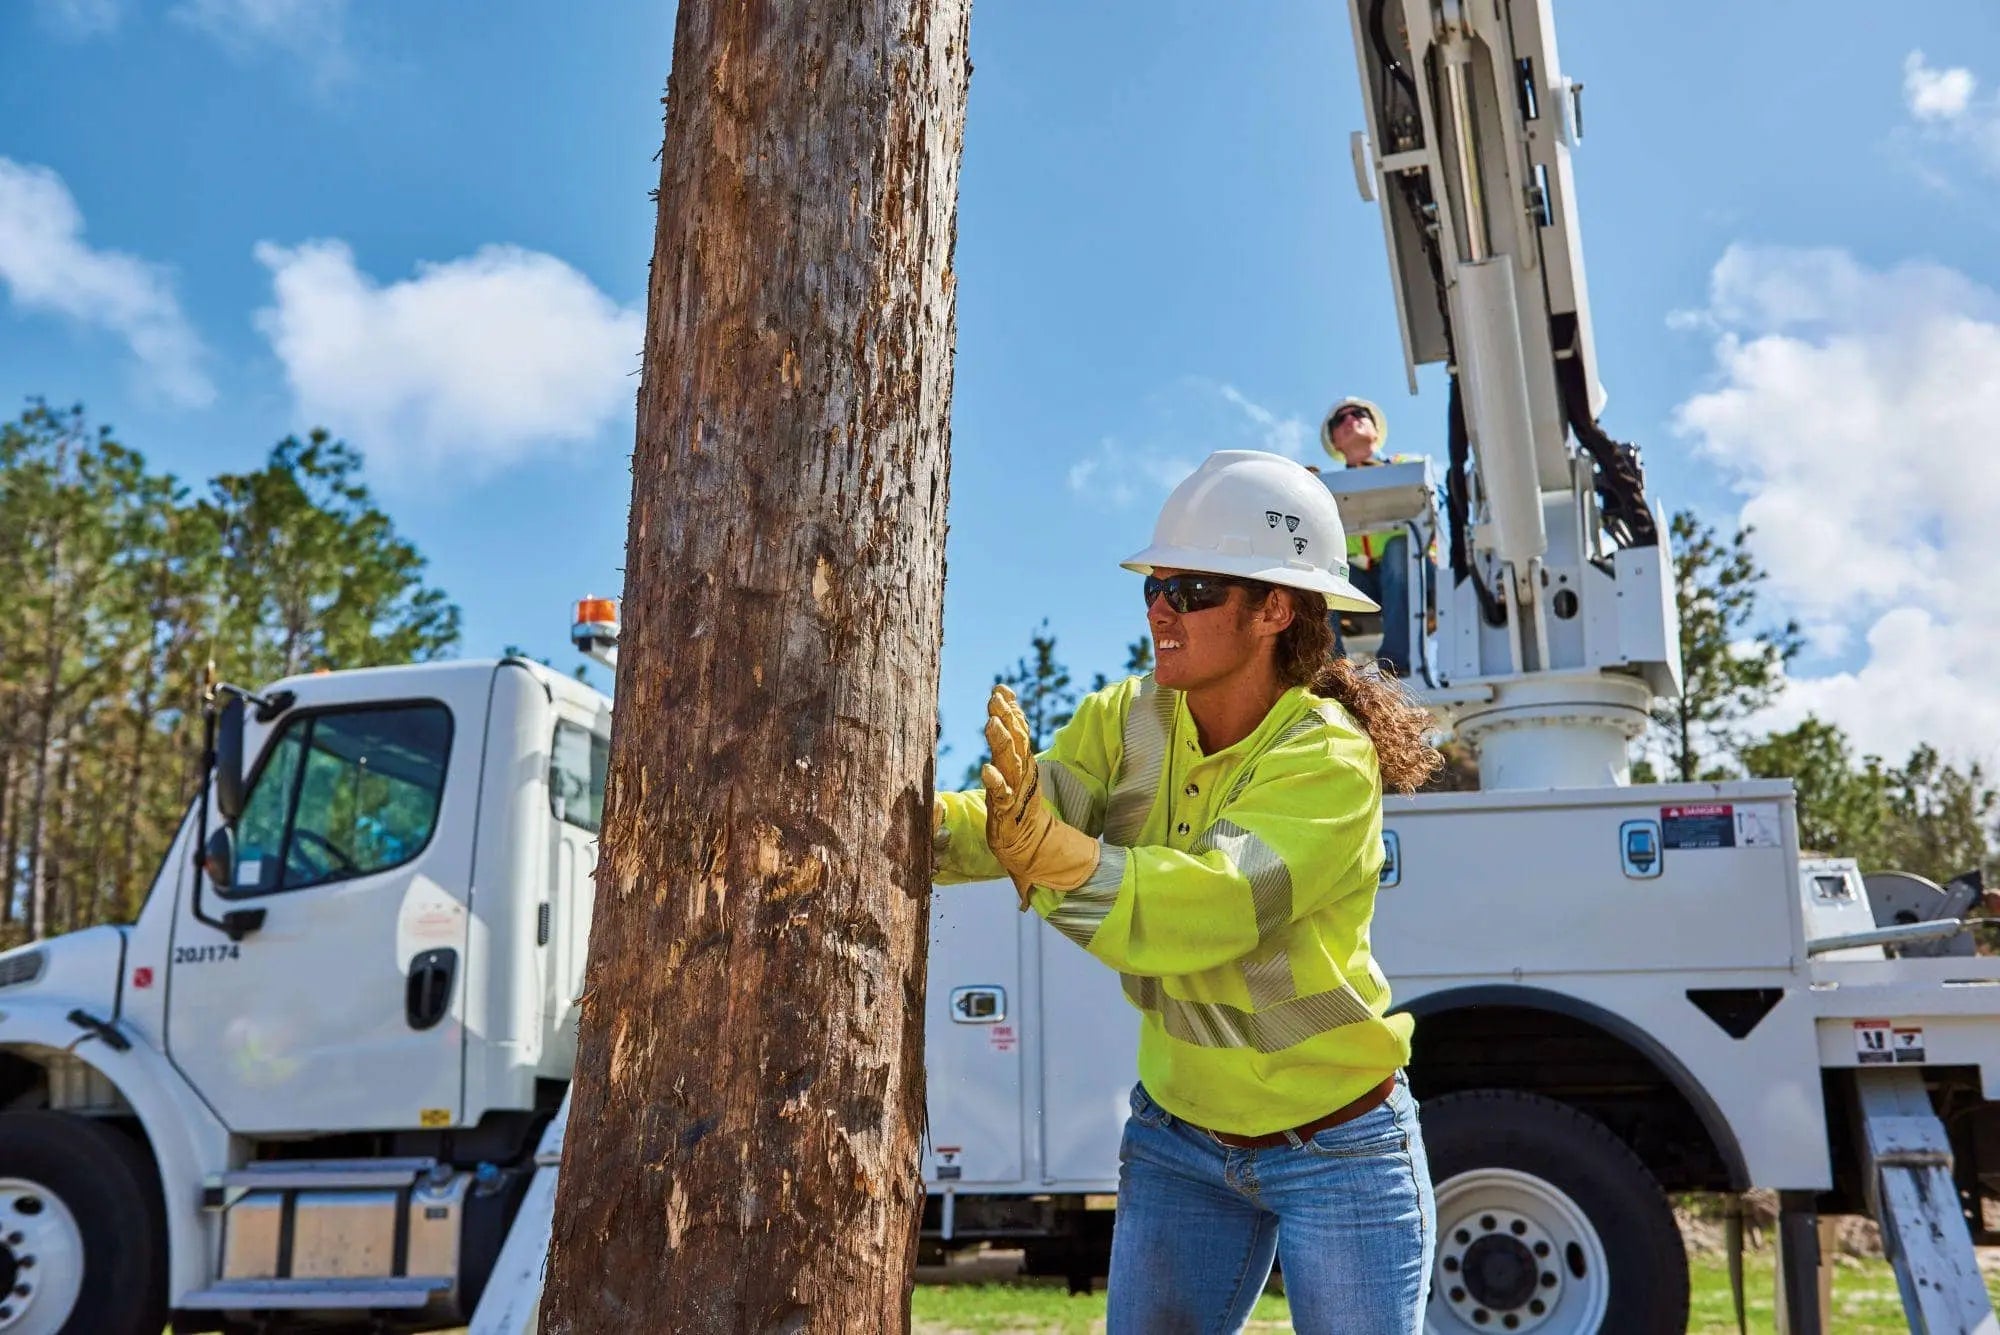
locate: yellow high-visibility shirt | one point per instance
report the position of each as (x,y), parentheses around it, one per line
(1233,897)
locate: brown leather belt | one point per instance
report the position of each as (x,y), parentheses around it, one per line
(1367,1103)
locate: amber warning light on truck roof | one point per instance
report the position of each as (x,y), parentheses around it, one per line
(598,612)
(595,631)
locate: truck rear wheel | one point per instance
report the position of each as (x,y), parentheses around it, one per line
(81,1245)
(1547,1223)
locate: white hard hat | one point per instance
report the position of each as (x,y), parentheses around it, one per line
(1326,423)
(1258,516)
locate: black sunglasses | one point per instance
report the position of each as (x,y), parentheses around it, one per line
(1345,413)
(1193,593)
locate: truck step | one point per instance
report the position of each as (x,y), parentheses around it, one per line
(1906,1163)
(294,1295)
(323,1175)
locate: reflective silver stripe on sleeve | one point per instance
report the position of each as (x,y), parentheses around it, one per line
(1214,1025)
(1267,976)
(1270,880)
(1084,909)
(1071,796)
(1149,726)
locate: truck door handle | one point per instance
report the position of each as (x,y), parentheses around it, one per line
(428,995)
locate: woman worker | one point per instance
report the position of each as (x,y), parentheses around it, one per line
(1213,831)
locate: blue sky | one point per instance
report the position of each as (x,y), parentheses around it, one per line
(427,227)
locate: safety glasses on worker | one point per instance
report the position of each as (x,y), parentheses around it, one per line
(1344,414)
(1193,593)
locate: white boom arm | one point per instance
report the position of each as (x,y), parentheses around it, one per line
(1557,617)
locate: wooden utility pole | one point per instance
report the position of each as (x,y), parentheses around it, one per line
(743,1140)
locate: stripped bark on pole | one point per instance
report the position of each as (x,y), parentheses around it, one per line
(742,1153)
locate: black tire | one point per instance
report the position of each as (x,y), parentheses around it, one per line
(111,1191)
(1645,1260)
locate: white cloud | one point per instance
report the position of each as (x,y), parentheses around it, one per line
(1946,107)
(1934,94)
(47,267)
(1176,428)
(313,32)
(1279,435)
(1925,680)
(81,18)
(472,365)
(1856,412)
(1119,475)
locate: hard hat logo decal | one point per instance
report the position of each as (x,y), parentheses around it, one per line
(1271,517)
(1291,523)
(1299,546)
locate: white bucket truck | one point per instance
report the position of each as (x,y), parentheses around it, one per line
(311,1078)
(321,1078)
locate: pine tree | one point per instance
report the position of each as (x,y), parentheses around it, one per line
(1729,671)
(1041,683)
(116,588)
(1138,660)
(1925,816)
(1843,802)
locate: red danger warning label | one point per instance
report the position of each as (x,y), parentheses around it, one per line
(1702,825)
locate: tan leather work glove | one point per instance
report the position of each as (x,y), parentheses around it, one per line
(1029,841)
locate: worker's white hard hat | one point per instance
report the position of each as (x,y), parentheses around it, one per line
(1326,423)
(1257,516)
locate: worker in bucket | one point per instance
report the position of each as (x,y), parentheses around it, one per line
(1213,831)
(1354,432)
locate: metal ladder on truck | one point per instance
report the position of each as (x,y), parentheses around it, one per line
(1906,1167)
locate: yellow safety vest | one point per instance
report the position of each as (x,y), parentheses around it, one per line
(1234,898)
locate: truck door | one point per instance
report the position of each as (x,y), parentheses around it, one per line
(342,1011)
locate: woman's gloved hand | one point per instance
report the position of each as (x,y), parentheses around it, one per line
(1027,838)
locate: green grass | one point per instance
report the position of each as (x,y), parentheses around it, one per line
(1864,1303)
(1035,1305)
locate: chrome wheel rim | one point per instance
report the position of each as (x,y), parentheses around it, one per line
(1515,1255)
(41,1259)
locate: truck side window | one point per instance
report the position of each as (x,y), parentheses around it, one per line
(578,759)
(343,794)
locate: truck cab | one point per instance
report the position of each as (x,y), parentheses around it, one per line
(323,1055)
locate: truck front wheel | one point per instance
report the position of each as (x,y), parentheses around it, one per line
(1547,1223)
(81,1246)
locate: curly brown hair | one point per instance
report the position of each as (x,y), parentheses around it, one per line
(1394,720)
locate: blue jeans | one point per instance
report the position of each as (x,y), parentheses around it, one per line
(1347,1213)
(1388,583)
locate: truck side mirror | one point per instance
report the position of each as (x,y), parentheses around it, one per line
(218,858)
(229,794)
